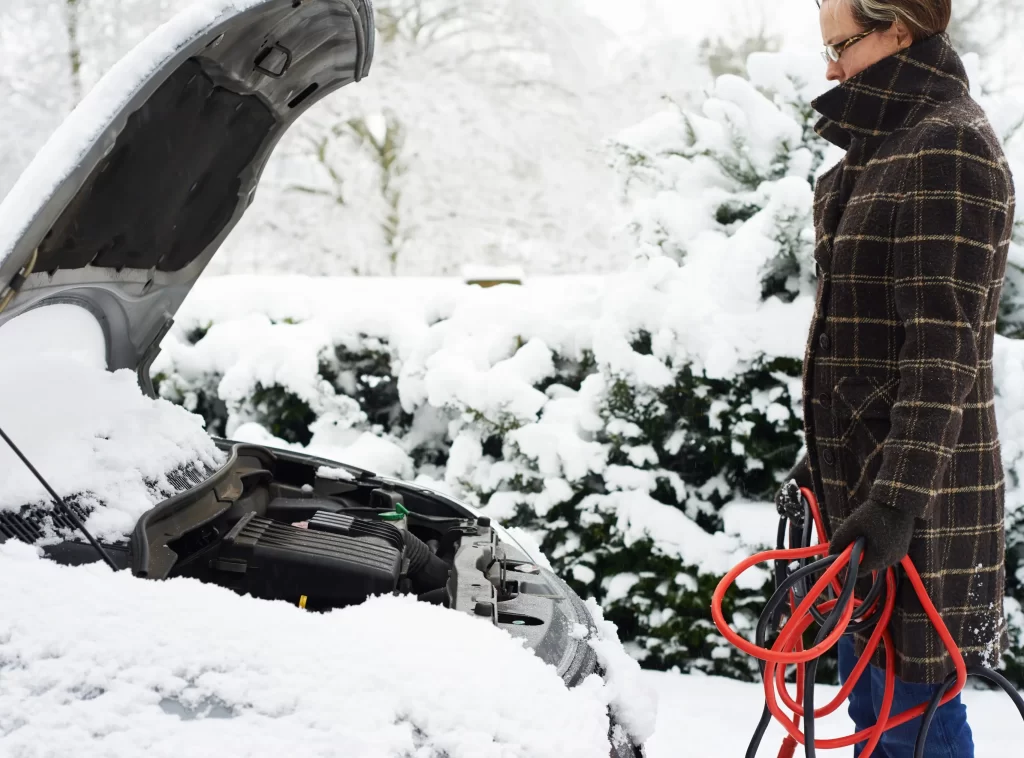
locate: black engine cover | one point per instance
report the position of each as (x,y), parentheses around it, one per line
(267,559)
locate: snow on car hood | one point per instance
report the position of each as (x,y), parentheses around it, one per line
(113,666)
(91,433)
(133,194)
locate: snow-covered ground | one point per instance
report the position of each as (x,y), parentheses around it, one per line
(710,717)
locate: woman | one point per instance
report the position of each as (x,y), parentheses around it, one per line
(912,231)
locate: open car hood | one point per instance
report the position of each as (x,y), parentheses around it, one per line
(131,197)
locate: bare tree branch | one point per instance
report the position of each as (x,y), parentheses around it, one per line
(74,49)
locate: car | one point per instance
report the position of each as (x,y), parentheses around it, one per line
(120,214)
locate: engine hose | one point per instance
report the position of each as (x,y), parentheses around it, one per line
(840,614)
(426,571)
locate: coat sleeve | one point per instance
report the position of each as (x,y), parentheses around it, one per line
(948,227)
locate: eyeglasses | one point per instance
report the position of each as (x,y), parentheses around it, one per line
(833,52)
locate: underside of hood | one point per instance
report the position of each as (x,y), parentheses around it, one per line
(129,200)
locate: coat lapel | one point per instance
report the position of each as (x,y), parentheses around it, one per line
(891,94)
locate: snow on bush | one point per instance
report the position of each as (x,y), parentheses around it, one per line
(614,419)
(113,666)
(557,406)
(1009,382)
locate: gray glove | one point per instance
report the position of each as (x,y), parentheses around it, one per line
(887,533)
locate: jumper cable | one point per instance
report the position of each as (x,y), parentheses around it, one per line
(842,613)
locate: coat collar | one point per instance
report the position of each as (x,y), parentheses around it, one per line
(895,92)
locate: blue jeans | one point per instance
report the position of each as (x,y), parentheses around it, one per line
(948,737)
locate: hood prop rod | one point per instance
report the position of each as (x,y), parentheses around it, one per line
(59,501)
(12,289)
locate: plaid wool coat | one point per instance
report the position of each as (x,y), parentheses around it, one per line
(912,232)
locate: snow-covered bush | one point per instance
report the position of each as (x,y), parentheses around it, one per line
(1009,382)
(616,419)
(563,407)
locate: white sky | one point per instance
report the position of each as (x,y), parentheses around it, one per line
(797,20)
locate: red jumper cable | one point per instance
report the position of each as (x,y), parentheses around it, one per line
(843,614)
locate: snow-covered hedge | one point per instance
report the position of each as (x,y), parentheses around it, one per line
(561,407)
(556,406)
(624,421)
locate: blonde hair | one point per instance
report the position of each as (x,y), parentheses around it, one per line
(923,18)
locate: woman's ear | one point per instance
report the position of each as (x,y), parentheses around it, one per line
(904,38)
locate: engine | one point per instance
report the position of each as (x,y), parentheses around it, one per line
(331,560)
(317,536)
(336,559)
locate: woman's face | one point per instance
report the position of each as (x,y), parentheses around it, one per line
(838,24)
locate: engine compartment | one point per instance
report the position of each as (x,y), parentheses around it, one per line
(305,530)
(285,526)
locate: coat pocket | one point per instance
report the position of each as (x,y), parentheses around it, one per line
(865,397)
(862,406)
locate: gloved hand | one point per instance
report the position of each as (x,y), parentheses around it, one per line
(887,533)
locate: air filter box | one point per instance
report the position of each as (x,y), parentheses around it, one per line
(343,564)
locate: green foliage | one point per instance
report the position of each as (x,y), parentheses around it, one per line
(367,377)
(282,413)
(197,333)
(199,396)
(1011,307)
(735,211)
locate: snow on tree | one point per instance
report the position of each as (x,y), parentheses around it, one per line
(54,52)
(748,162)
(476,138)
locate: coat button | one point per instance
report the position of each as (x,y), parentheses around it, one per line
(828,457)
(824,341)
(825,400)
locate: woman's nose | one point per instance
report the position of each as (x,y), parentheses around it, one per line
(834,72)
